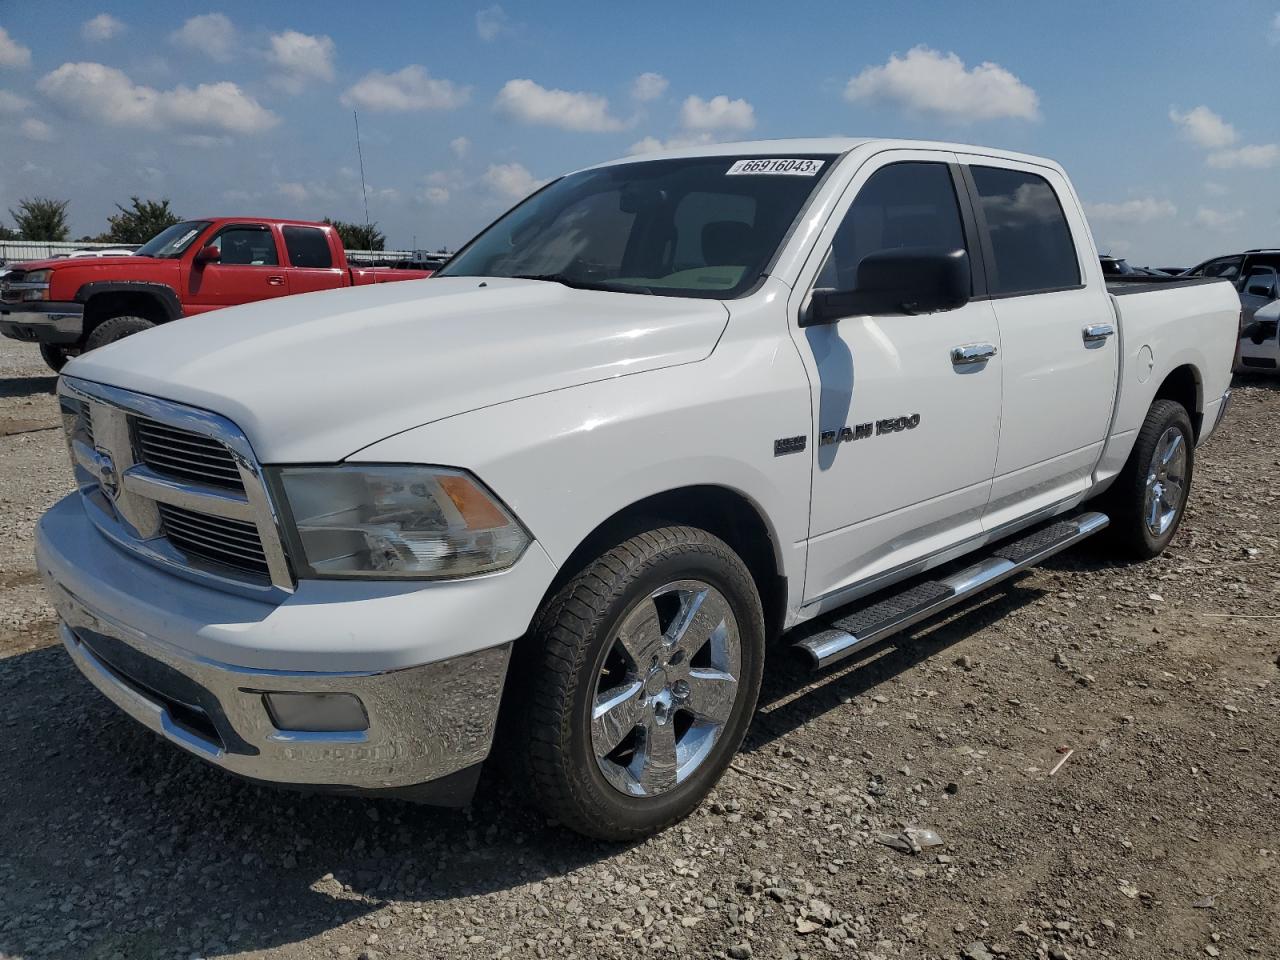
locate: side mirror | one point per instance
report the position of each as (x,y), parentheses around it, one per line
(209,254)
(906,280)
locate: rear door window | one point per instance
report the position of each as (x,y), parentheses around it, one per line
(308,247)
(1030,240)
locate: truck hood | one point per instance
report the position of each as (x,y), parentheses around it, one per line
(314,378)
(62,262)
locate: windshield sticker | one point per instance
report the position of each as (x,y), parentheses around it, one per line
(776,167)
(184,239)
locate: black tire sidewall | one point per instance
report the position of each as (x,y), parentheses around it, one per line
(116,328)
(54,356)
(734,582)
(1132,527)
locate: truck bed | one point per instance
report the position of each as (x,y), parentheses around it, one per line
(1121,286)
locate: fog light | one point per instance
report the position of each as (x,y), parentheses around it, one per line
(316,712)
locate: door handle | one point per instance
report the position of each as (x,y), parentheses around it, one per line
(1097,332)
(276,281)
(970,353)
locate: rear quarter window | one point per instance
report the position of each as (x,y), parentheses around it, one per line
(1031,241)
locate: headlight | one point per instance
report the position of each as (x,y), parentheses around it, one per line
(396,521)
(35,285)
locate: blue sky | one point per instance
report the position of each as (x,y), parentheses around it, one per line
(1161,112)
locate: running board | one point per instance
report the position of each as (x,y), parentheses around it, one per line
(864,627)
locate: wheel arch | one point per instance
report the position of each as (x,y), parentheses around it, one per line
(156,302)
(727,513)
(1184,385)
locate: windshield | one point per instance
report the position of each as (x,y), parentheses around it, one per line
(169,243)
(697,227)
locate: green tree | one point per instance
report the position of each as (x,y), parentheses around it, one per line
(7,234)
(39,218)
(140,221)
(357,236)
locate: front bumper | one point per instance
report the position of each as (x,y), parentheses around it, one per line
(42,322)
(141,636)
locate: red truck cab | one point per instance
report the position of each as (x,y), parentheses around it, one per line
(72,305)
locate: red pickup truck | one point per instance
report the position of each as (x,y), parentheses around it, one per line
(72,305)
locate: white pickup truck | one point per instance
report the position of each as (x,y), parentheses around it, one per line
(662,413)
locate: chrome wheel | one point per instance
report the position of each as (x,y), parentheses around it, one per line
(666,689)
(1166,482)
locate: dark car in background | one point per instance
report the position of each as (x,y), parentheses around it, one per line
(1119,267)
(1255,273)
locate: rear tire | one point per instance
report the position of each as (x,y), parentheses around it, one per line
(1148,499)
(116,328)
(644,679)
(55,356)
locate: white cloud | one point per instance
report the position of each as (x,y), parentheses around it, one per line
(653,144)
(460,146)
(12,103)
(1217,219)
(201,141)
(12,53)
(300,59)
(34,129)
(296,192)
(530,102)
(1259,156)
(409,89)
(1215,189)
(212,34)
(928,81)
(1204,128)
(1142,210)
(436,196)
(648,86)
(492,22)
(511,181)
(102,27)
(107,95)
(718,113)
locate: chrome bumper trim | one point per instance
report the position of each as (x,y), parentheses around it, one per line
(55,323)
(1222,408)
(1208,430)
(425,722)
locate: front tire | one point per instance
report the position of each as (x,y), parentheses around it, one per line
(54,356)
(116,328)
(645,678)
(1148,499)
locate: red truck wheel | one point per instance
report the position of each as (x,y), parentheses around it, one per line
(53,355)
(117,328)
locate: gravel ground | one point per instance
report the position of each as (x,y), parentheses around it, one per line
(1157,837)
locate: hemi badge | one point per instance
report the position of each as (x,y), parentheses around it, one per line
(789,445)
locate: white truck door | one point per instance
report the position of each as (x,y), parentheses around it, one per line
(906,438)
(1058,338)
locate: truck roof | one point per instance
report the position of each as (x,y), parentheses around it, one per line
(278,220)
(833,145)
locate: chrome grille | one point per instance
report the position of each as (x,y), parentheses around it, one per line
(175,485)
(232,543)
(9,293)
(184,455)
